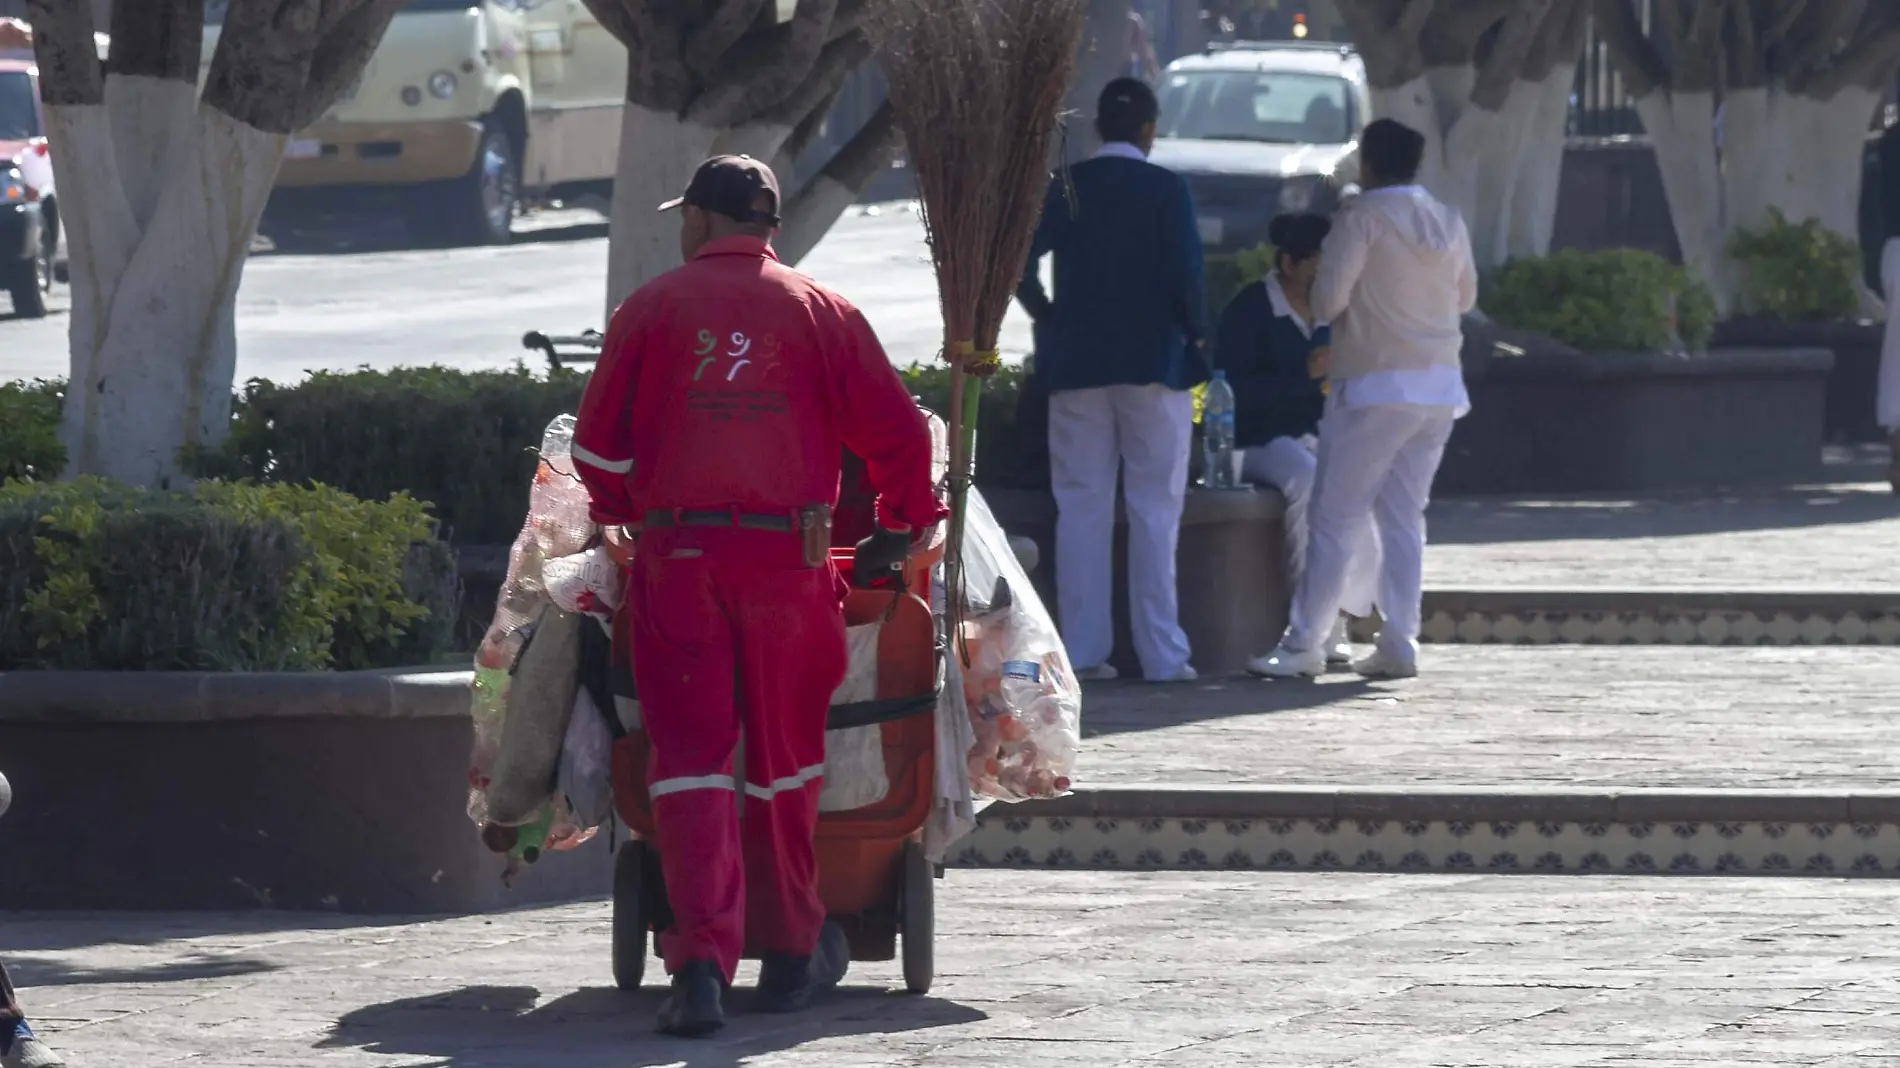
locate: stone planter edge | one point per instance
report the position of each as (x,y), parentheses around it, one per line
(206,697)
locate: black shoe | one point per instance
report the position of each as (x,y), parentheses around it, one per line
(788,983)
(692,1010)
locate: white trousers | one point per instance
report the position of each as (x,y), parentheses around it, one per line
(1375,462)
(1144,433)
(1288,465)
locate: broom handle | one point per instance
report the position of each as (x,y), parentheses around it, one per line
(966,395)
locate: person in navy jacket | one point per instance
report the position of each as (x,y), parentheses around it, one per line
(1118,347)
(1274,353)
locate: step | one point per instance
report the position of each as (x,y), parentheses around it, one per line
(1446,830)
(1527,616)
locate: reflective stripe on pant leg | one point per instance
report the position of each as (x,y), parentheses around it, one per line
(683,653)
(792,658)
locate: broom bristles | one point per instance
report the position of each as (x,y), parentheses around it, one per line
(977,86)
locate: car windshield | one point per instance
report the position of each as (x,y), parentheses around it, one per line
(214,9)
(19,119)
(1277,107)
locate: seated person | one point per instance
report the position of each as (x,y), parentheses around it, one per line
(1275,358)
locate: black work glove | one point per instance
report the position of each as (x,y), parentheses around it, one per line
(879,556)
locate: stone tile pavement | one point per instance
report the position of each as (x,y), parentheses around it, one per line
(1838,536)
(1815,718)
(1057,969)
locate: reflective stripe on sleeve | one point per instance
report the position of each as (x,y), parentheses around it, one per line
(684,783)
(612,467)
(803,777)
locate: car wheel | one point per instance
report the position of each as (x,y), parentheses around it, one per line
(27,284)
(482,206)
(49,248)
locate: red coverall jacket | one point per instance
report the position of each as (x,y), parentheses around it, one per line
(734,384)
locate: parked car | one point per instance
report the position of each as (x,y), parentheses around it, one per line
(30,248)
(1261,128)
(466,105)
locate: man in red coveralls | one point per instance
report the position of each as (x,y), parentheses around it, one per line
(725,395)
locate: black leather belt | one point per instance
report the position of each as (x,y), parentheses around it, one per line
(726,517)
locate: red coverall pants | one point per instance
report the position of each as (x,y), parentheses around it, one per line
(732,630)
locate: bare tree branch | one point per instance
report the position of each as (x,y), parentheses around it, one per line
(1747,59)
(1453,34)
(817,205)
(1808,48)
(1505,64)
(1782,23)
(764,67)
(807,129)
(852,16)
(1631,50)
(835,64)
(1870,59)
(654,33)
(1387,33)
(723,27)
(67,52)
(1560,40)
(340,57)
(157,39)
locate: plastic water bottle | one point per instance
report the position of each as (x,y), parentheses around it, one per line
(1217,428)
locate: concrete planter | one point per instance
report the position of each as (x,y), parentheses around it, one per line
(1615,422)
(1851,385)
(175,790)
(1231,571)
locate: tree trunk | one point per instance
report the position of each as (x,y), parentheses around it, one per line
(1104,53)
(659,151)
(1681,129)
(162,199)
(1798,153)
(1540,167)
(815,209)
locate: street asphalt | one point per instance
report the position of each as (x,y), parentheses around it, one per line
(1050,969)
(337,307)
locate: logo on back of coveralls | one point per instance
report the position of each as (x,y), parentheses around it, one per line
(737,378)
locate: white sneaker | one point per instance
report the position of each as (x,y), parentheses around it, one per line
(1284,663)
(1102,672)
(1339,645)
(30,1053)
(1383,664)
(1185,674)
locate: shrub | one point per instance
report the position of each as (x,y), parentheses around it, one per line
(461,440)
(1614,300)
(1797,272)
(29,430)
(229,577)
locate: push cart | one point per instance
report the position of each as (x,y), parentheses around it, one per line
(874,877)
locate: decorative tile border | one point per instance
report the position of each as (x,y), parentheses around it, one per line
(1655,617)
(1649,832)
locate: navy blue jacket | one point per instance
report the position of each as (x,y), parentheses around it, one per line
(1264,356)
(1128,306)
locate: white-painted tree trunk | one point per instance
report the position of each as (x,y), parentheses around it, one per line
(1540,167)
(658,153)
(811,215)
(1681,128)
(1797,153)
(760,140)
(160,199)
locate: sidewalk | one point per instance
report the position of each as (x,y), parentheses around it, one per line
(1814,718)
(1836,537)
(1068,969)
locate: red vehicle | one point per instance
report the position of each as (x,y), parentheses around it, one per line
(29,207)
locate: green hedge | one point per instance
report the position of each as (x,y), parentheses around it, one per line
(463,441)
(1613,300)
(29,430)
(1010,451)
(231,577)
(1797,272)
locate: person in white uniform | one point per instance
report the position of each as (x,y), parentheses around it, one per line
(1395,279)
(1117,348)
(1274,353)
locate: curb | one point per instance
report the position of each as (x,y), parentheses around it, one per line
(1656,617)
(1446,830)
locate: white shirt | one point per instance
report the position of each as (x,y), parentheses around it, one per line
(1436,387)
(1122,149)
(1283,308)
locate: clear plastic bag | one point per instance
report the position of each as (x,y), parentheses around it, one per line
(1024,702)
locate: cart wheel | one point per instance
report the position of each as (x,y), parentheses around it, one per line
(918,918)
(631,918)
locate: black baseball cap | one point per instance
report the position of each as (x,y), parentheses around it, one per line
(727,185)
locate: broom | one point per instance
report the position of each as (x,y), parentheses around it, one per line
(977,87)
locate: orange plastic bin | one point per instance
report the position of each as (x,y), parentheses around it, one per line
(873,876)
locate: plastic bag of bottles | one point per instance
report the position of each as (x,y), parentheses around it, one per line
(1024,702)
(549,549)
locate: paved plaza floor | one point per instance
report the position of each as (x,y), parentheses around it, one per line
(1758,717)
(1039,968)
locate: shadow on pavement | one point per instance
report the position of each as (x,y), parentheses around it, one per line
(52,932)
(1128,707)
(500,1027)
(363,236)
(34,973)
(1481,521)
